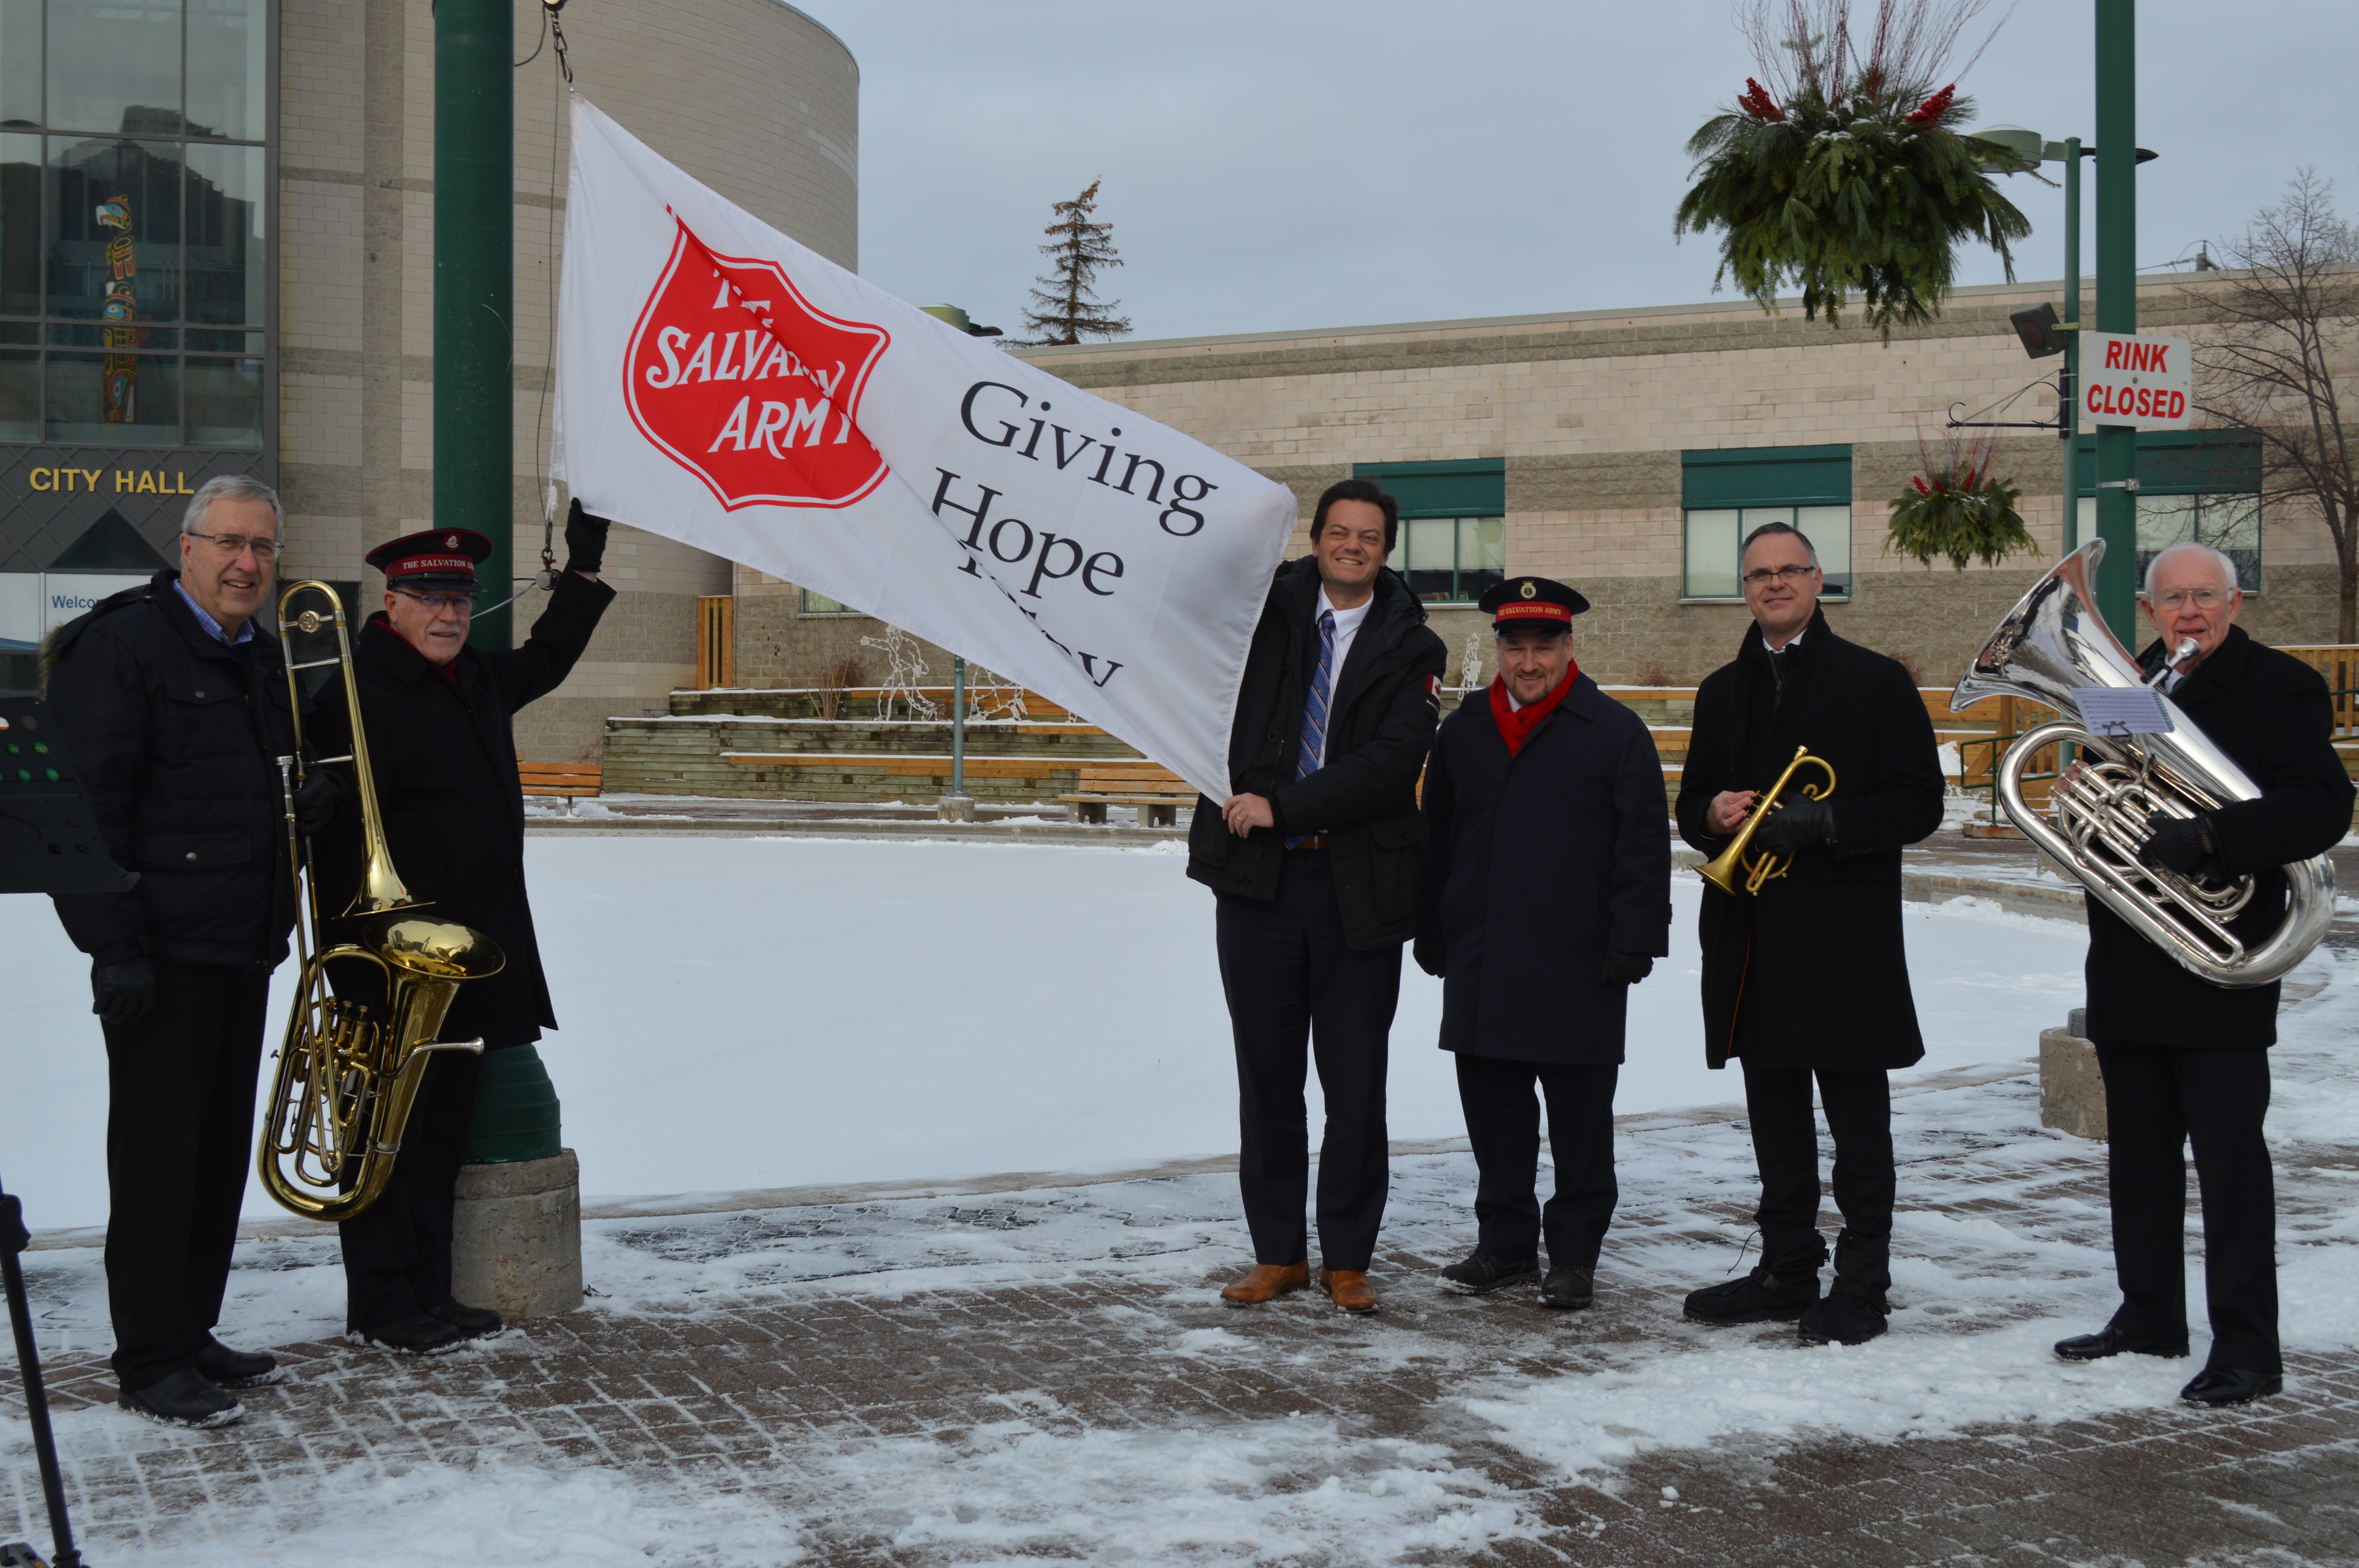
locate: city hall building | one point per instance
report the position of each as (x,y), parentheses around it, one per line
(217,256)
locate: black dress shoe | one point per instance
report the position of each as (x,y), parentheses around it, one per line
(1845,1317)
(2111,1341)
(187,1398)
(476,1323)
(1569,1287)
(1481,1274)
(2217,1386)
(419,1335)
(235,1368)
(1760,1296)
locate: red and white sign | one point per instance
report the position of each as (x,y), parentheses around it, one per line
(2129,379)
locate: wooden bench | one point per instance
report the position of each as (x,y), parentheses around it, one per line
(562,780)
(1157,790)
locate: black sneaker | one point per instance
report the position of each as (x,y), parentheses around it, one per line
(476,1323)
(229,1368)
(1569,1287)
(1845,1317)
(1481,1274)
(1760,1297)
(185,1399)
(419,1335)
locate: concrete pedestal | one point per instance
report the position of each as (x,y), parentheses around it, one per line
(2072,1090)
(956,807)
(516,1246)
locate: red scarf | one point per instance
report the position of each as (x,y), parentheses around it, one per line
(1516,726)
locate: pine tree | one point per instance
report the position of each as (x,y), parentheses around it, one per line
(1065,305)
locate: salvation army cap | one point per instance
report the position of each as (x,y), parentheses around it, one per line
(1531,603)
(438,558)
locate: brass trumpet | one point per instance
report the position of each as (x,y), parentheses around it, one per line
(1722,869)
(346,1082)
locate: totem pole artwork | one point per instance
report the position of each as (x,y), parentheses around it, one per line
(119,372)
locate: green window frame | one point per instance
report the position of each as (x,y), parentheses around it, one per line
(1726,493)
(1453,537)
(2203,485)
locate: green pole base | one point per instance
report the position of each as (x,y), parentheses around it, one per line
(516,1109)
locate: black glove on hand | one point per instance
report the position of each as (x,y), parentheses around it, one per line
(585,540)
(121,994)
(1429,954)
(317,799)
(1796,825)
(1626,969)
(13,1237)
(2184,844)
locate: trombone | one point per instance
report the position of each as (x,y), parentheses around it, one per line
(346,1080)
(1722,870)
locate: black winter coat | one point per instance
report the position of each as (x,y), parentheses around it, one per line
(1535,866)
(176,739)
(2271,714)
(446,777)
(1387,697)
(1816,959)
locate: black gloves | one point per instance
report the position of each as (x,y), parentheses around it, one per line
(317,799)
(1796,825)
(13,1237)
(1626,969)
(121,994)
(2182,844)
(585,540)
(1428,953)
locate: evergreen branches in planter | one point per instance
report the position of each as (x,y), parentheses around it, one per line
(1956,508)
(1848,172)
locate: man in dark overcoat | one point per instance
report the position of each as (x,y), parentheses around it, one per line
(2187,1061)
(1314,858)
(1810,976)
(442,744)
(1547,895)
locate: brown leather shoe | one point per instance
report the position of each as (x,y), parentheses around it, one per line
(1348,1289)
(1265,1282)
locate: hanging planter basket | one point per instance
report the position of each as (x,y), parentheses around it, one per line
(1961,515)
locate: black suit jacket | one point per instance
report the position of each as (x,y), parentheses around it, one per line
(2271,714)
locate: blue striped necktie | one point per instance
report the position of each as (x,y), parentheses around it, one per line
(1314,709)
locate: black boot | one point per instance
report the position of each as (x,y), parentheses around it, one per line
(184,1399)
(1761,1296)
(235,1368)
(1482,1273)
(1847,1316)
(1569,1287)
(419,1335)
(476,1323)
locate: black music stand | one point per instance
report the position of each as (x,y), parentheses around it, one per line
(48,843)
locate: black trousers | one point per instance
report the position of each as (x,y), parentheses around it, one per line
(2158,1099)
(179,1135)
(398,1250)
(1858,1106)
(1502,1121)
(1291,982)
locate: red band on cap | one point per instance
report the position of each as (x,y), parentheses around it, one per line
(1542,609)
(417,564)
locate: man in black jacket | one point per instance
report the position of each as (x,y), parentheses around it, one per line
(2185,1060)
(1314,857)
(1810,976)
(443,749)
(1546,895)
(172,699)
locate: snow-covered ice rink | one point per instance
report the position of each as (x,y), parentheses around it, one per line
(778,1013)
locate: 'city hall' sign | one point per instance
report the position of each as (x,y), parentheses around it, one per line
(126,481)
(722,385)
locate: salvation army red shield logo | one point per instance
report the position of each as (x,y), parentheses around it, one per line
(742,382)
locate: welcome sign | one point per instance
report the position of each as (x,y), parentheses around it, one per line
(723,385)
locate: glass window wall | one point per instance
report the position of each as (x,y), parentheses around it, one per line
(1715,533)
(132,201)
(1451,560)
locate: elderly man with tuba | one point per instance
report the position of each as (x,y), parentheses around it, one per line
(1805,973)
(437,714)
(2185,1059)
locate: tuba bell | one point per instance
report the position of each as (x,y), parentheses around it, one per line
(2053,644)
(346,1082)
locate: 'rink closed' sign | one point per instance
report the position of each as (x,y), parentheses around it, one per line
(2130,380)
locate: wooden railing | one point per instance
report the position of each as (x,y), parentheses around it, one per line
(716,642)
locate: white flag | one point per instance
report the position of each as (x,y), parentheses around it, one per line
(721,384)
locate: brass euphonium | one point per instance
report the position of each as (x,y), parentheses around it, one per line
(1723,869)
(340,1096)
(2052,645)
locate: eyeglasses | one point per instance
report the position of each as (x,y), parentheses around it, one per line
(1789,575)
(229,547)
(2202,597)
(436,603)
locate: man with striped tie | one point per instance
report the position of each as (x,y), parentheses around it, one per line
(1314,859)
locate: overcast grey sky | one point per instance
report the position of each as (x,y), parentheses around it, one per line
(1278,164)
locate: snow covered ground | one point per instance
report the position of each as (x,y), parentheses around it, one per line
(772,1013)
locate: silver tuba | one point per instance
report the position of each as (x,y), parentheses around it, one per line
(2051,644)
